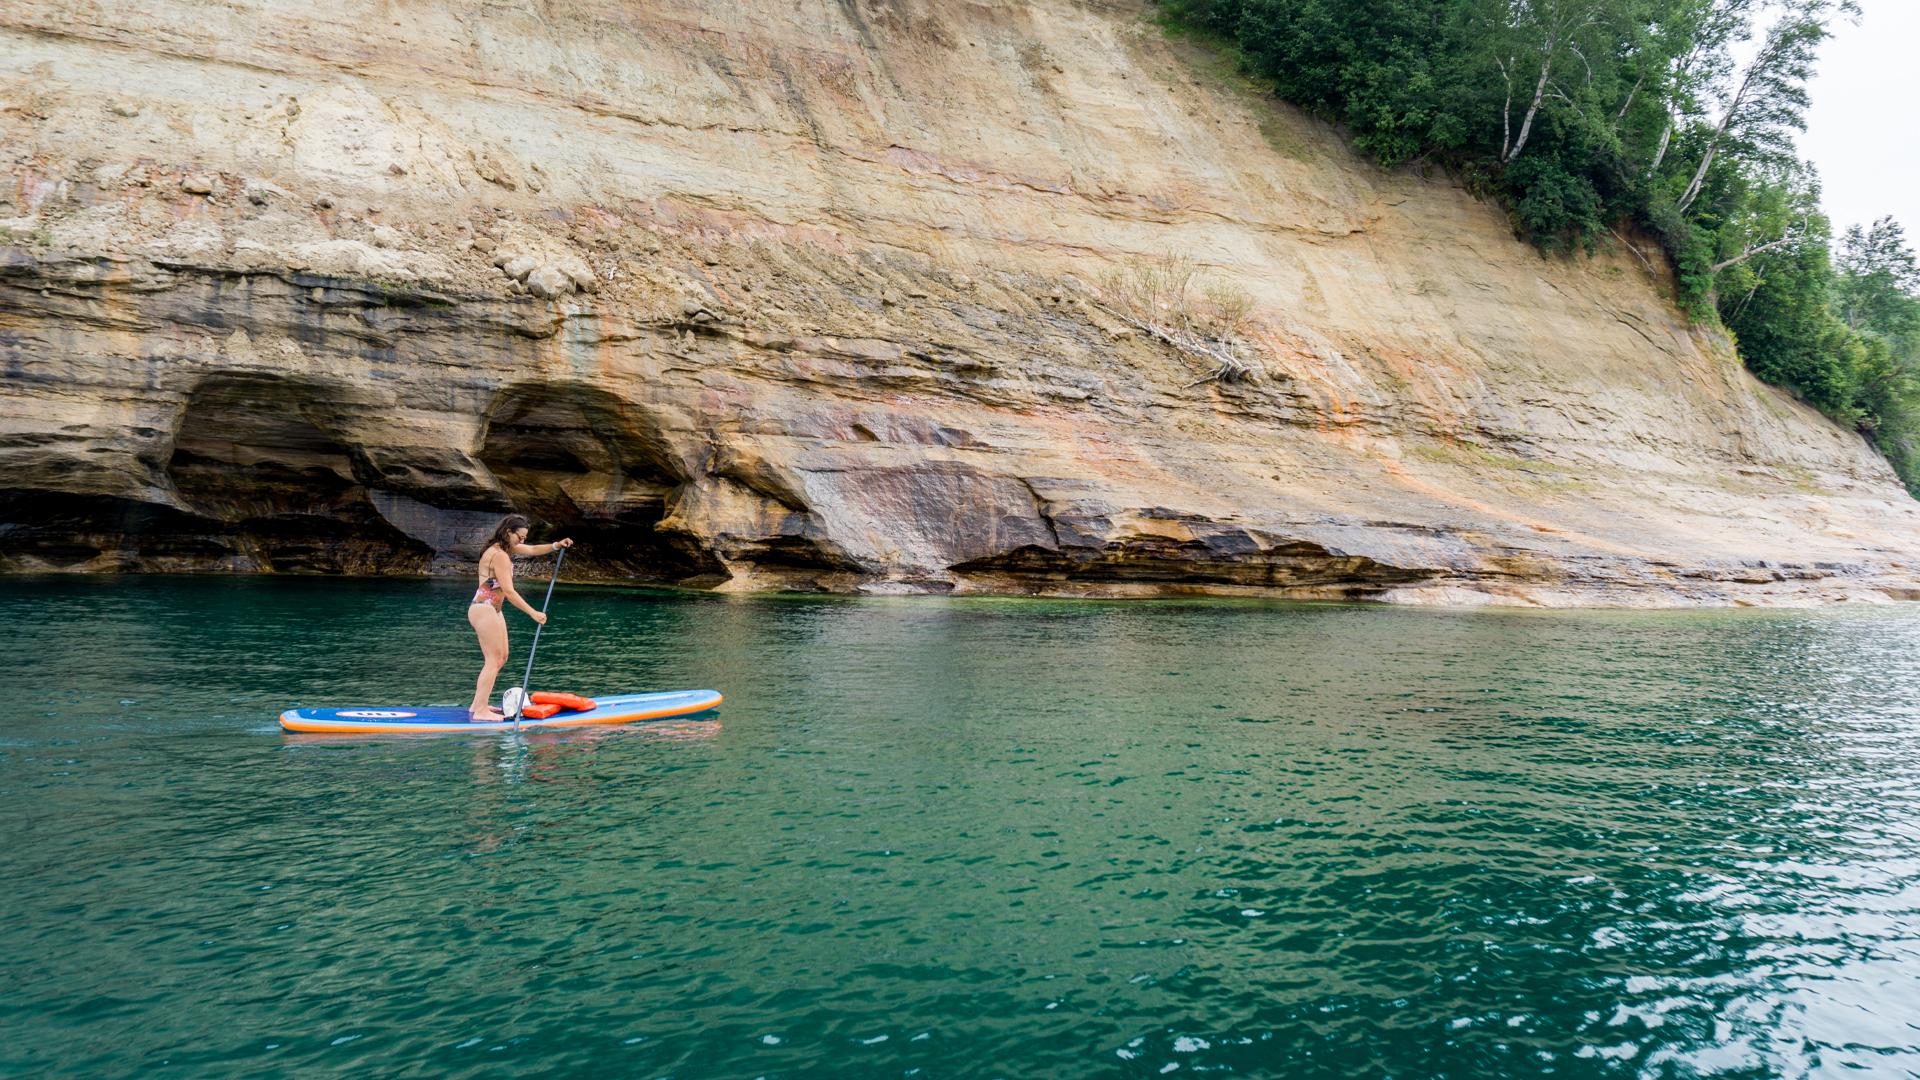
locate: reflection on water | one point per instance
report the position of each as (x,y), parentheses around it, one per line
(959,838)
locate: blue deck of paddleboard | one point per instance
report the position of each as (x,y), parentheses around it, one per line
(610,709)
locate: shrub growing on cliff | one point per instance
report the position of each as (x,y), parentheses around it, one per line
(1173,301)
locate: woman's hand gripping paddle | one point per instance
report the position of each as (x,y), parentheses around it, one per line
(514,701)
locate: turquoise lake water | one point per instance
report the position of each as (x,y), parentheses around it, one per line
(958,838)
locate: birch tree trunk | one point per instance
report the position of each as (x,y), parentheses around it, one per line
(1627,104)
(1713,147)
(1666,136)
(1506,110)
(1773,84)
(1539,92)
(1750,253)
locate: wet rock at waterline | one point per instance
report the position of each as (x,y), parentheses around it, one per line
(847,336)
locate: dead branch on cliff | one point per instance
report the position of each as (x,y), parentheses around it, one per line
(1170,300)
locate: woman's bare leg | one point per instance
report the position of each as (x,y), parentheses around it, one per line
(491,626)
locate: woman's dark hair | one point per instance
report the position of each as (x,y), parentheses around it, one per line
(502,533)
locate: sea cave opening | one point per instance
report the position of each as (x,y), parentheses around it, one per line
(583,462)
(251,463)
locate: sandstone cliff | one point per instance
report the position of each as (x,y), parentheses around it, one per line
(802,295)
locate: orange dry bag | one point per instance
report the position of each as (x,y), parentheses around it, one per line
(569,701)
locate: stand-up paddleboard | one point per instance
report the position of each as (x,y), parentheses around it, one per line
(445,718)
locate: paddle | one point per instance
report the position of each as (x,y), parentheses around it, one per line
(515,700)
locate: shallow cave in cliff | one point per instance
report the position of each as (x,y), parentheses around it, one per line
(278,489)
(582,463)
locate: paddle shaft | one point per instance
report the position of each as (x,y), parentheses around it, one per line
(559,557)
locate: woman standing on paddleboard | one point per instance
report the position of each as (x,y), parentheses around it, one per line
(496,586)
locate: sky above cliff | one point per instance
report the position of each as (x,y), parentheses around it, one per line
(1861,131)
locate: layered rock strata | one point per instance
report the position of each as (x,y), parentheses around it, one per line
(809,296)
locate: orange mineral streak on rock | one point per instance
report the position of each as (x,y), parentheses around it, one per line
(1394,469)
(800,296)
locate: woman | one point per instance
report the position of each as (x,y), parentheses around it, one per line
(496,585)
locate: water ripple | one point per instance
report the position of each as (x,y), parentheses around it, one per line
(961,838)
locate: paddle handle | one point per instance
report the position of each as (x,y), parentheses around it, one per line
(527,680)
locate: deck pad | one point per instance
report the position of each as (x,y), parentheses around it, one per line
(610,709)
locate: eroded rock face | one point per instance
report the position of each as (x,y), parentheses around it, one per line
(747,296)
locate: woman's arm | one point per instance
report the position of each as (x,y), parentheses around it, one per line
(540,549)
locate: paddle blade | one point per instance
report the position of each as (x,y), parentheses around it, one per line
(514,702)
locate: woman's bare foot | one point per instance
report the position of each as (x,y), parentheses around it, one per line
(487,715)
